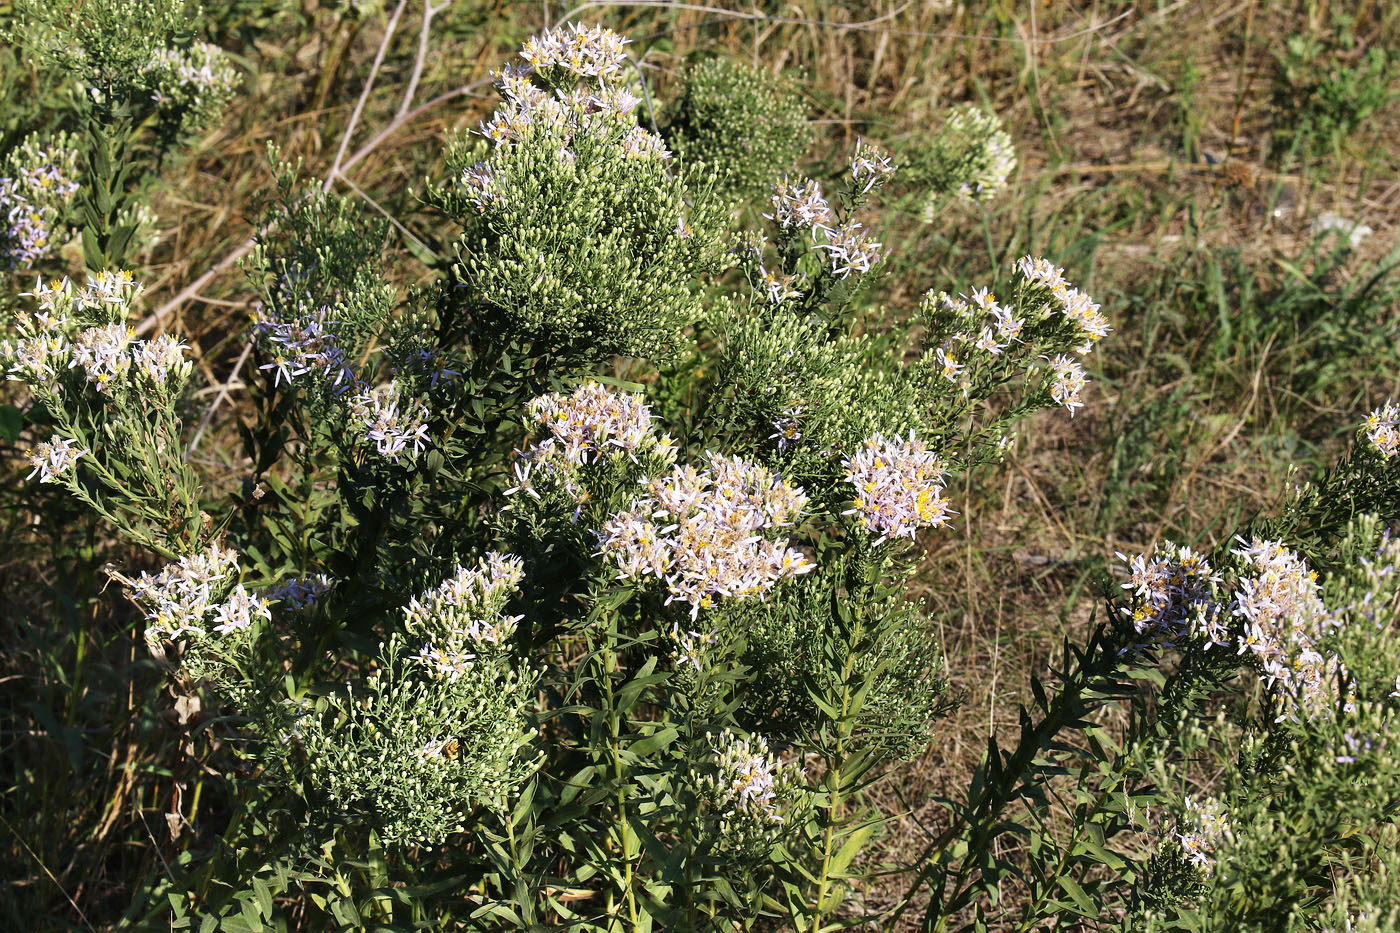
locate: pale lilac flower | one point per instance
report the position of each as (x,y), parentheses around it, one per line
(1202,829)
(391,422)
(899,487)
(102,353)
(1383,430)
(849,249)
(870,166)
(466,607)
(799,206)
(591,424)
(1067,379)
(588,51)
(1175,590)
(53,458)
(299,592)
(1285,627)
(237,612)
(704,532)
(178,600)
(747,776)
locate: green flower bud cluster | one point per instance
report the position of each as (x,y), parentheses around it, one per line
(738,122)
(581,240)
(970,158)
(435,729)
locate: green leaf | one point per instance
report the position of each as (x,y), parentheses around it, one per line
(654,742)
(855,841)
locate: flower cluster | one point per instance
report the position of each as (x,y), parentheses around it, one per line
(979,322)
(53,340)
(463,614)
(1357,746)
(799,205)
(753,797)
(307,345)
(299,592)
(991,154)
(899,487)
(597,108)
(702,532)
(37,187)
(1285,629)
(190,86)
(778,287)
(970,158)
(589,425)
(973,335)
(849,249)
(587,51)
(1066,380)
(746,776)
(1202,828)
(604,266)
(1077,308)
(870,166)
(53,458)
(528,109)
(190,594)
(391,422)
(1383,430)
(1175,594)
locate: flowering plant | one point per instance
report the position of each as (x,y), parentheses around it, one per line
(568,589)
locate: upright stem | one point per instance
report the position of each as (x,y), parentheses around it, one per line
(614,746)
(833,780)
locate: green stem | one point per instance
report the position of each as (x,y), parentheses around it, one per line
(833,781)
(614,746)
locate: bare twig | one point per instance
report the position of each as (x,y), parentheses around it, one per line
(389,30)
(223,394)
(192,290)
(398,122)
(392,219)
(429,11)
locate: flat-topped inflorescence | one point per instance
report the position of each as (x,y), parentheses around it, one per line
(587,51)
(1078,308)
(195,596)
(1286,628)
(61,335)
(899,487)
(38,184)
(1174,589)
(393,422)
(463,616)
(705,532)
(589,426)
